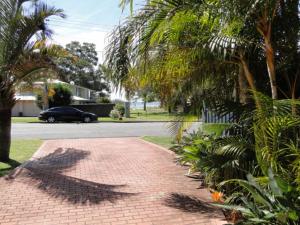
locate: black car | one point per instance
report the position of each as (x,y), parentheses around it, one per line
(67,113)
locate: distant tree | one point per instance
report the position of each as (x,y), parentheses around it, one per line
(62,96)
(148,95)
(81,67)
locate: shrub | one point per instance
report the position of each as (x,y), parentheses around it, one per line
(62,96)
(276,203)
(115,114)
(103,100)
(121,108)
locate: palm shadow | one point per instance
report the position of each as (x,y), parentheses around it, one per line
(11,164)
(189,204)
(47,174)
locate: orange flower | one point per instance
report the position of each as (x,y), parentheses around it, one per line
(217,197)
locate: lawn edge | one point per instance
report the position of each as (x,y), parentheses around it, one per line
(157,146)
(16,171)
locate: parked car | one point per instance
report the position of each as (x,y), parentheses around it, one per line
(66,113)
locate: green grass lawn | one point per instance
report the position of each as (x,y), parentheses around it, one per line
(21,151)
(166,142)
(25,119)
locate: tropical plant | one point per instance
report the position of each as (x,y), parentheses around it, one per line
(276,202)
(23,53)
(218,159)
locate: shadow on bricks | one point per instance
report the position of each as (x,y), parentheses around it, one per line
(188,204)
(46,173)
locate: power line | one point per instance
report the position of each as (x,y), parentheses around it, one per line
(79,23)
(76,27)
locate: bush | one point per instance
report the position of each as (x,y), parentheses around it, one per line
(62,96)
(278,204)
(121,108)
(115,114)
(103,100)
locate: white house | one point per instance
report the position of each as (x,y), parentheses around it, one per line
(26,100)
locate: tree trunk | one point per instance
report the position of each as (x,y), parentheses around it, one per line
(264,27)
(248,75)
(250,78)
(5,134)
(271,66)
(243,87)
(145,105)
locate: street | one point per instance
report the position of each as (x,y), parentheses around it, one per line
(92,130)
(82,130)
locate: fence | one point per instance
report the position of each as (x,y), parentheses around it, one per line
(102,110)
(211,117)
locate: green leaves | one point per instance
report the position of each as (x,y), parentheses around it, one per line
(278,204)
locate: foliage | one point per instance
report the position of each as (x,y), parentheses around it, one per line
(115,114)
(218,159)
(214,128)
(23,53)
(263,140)
(103,100)
(239,57)
(121,108)
(80,66)
(277,204)
(62,96)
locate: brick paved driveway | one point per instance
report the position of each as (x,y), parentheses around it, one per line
(103,181)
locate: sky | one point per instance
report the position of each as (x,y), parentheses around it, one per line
(87,21)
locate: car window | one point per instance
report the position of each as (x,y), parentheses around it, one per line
(55,109)
(70,109)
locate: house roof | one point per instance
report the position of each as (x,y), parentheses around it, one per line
(76,98)
(25,98)
(33,98)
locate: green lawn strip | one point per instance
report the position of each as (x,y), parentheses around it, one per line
(25,120)
(166,142)
(214,128)
(21,151)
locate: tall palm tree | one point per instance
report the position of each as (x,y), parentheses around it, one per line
(21,32)
(246,32)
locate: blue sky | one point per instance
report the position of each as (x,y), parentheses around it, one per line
(87,21)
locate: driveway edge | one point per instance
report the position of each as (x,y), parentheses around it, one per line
(157,146)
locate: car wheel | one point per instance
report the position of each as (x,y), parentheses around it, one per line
(87,119)
(51,119)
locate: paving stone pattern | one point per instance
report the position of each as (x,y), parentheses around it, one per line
(107,181)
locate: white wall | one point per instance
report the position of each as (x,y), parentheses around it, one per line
(28,108)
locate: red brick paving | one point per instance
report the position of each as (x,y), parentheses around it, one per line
(103,181)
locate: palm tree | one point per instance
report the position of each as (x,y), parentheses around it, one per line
(21,34)
(243,31)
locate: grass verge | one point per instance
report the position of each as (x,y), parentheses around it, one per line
(25,120)
(166,142)
(21,151)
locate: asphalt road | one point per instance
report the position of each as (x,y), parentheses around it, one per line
(92,130)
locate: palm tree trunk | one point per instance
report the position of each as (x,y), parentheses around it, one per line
(242,87)
(264,27)
(5,134)
(248,75)
(271,66)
